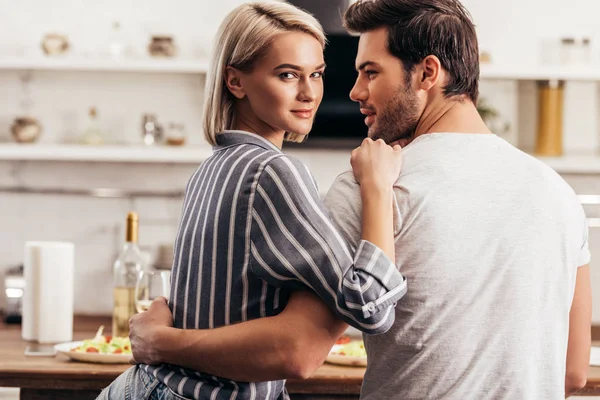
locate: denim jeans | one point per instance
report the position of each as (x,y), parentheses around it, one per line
(136,384)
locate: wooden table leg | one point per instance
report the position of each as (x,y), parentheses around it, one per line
(58,394)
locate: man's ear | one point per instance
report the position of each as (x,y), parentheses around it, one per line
(430,70)
(234,82)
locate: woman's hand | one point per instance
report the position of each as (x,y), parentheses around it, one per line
(144,331)
(376,165)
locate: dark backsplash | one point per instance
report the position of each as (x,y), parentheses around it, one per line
(339,119)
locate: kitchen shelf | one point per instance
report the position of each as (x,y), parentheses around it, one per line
(589,73)
(102,193)
(159,65)
(570,164)
(198,66)
(106,153)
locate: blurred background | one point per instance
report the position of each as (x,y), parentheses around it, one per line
(101,102)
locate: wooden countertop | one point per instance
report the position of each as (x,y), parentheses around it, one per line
(17,370)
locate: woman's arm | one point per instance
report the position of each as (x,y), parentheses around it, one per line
(376,178)
(294,343)
(293,242)
(291,345)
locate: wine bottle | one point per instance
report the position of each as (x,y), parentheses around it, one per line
(126,269)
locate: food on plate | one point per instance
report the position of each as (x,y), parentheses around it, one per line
(343,339)
(348,351)
(354,348)
(104,344)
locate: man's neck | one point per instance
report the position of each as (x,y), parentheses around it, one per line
(451,116)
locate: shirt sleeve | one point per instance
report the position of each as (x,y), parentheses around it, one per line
(294,244)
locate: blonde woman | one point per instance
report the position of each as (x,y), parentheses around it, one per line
(255,240)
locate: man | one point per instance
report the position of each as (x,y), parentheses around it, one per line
(493,242)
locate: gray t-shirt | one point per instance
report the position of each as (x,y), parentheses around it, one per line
(489,239)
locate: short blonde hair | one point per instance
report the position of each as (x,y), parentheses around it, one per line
(243,37)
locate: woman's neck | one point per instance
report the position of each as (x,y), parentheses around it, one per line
(250,123)
(272,136)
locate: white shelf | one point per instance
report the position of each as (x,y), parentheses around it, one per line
(191,66)
(568,73)
(574,164)
(127,154)
(158,65)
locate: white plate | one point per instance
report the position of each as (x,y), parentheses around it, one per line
(65,348)
(338,359)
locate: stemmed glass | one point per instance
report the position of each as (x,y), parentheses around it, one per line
(150,285)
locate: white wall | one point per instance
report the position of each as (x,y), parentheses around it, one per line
(513,29)
(527,33)
(61,101)
(510,30)
(88,23)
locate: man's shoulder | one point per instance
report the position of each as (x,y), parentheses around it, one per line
(343,189)
(343,202)
(346,177)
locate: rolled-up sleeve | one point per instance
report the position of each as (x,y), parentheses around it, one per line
(294,244)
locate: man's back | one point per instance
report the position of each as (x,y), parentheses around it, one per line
(490,240)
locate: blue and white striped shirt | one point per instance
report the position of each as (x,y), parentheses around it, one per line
(253,229)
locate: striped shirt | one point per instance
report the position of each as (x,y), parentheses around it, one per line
(253,229)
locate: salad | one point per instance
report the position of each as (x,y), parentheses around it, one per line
(343,339)
(351,348)
(104,344)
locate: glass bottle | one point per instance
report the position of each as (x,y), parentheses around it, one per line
(116,46)
(126,269)
(93,134)
(549,139)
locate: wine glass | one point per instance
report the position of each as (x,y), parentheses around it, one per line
(150,285)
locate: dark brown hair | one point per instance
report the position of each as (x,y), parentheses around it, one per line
(419,28)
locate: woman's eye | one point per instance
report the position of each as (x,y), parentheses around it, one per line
(287,75)
(318,74)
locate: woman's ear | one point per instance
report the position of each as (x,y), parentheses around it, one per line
(234,82)
(431,71)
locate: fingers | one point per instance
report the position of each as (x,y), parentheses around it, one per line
(379,142)
(159,302)
(354,156)
(131,321)
(367,141)
(368,146)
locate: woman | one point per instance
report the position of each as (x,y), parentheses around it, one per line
(253,228)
